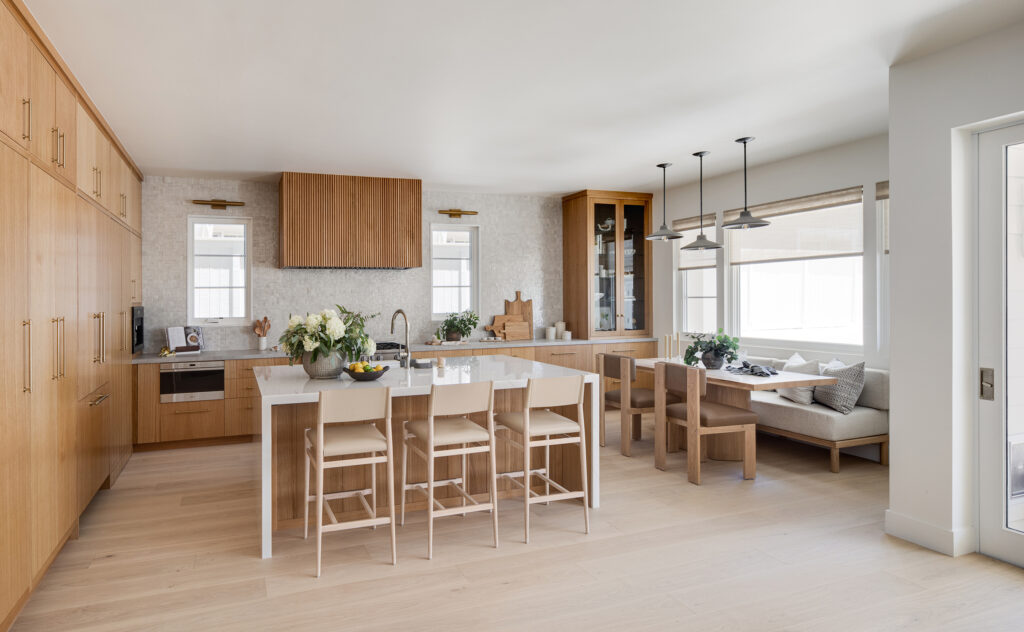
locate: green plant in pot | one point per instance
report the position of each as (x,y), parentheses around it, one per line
(460,325)
(712,350)
(326,341)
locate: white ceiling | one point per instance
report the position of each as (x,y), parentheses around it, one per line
(533,96)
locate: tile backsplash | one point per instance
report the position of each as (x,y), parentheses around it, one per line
(520,249)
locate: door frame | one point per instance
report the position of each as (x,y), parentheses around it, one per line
(989,147)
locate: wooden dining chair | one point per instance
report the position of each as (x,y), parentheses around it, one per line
(699,417)
(345,428)
(448,432)
(537,424)
(631,401)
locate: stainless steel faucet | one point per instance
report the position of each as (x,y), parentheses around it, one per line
(403,356)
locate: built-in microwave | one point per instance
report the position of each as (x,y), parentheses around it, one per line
(191,381)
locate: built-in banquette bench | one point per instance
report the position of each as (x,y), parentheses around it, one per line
(866,424)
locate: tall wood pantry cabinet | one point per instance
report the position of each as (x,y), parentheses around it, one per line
(70,263)
(606,264)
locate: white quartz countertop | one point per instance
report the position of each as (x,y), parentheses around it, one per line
(252,354)
(291,385)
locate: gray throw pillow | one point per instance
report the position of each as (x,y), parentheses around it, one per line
(843,395)
(800,394)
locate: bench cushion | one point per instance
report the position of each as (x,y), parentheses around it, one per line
(815,420)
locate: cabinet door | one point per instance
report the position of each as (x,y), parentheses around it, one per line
(605,247)
(92,434)
(634,299)
(85,151)
(42,141)
(104,194)
(65,119)
(90,283)
(15,422)
(14,65)
(135,282)
(569,356)
(134,201)
(113,183)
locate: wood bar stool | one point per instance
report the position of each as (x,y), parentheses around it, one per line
(454,402)
(699,417)
(344,428)
(537,420)
(631,402)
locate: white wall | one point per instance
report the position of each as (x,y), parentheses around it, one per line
(862,162)
(520,249)
(935,102)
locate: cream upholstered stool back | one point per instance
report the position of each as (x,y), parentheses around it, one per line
(539,426)
(448,432)
(345,436)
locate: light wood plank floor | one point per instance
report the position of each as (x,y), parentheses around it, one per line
(174,547)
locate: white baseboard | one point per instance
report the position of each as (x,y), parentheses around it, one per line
(953,542)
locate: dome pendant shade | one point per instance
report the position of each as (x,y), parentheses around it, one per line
(701,242)
(664,233)
(746,219)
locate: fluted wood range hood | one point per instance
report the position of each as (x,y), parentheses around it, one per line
(334,221)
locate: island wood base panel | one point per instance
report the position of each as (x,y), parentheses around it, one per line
(290,422)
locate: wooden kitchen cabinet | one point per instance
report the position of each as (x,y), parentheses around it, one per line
(607,264)
(135,276)
(147,397)
(65,119)
(15,410)
(93,432)
(191,420)
(236,369)
(42,123)
(93,160)
(14,81)
(242,416)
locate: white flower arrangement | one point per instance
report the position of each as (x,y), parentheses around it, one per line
(329,331)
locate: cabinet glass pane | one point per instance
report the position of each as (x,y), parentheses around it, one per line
(633,267)
(604,267)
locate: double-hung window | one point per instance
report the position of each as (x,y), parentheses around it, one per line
(454,253)
(698,278)
(219,271)
(801,278)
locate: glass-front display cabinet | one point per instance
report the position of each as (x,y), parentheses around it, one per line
(607,263)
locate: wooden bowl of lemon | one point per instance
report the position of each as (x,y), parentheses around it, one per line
(365,372)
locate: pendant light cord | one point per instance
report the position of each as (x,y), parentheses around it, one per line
(701,195)
(745,177)
(663,202)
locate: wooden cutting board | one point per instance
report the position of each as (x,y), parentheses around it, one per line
(523,309)
(517,330)
(500,323)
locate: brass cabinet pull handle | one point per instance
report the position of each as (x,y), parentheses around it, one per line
(61,146)
(623,350)
(63,347)
(564,353)
(99,400)
(55,370)
(27,135)
(192,412)
(100,187)
(103,337)
(96,340)
(27,387)
(56,146)
(95,180)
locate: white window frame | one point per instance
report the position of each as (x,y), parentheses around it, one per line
(733,293)
(190,265)
(474,255)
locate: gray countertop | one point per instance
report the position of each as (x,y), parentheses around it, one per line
(253,354)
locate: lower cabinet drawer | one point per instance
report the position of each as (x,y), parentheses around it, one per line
(241,387)
(191,420)
(242,416)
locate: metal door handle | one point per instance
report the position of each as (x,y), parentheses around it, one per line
(56,146)
(55,370)
(63,347)
(103,337)
(27,135)
(61,149)
(27,386)
(191,412)
(99,400)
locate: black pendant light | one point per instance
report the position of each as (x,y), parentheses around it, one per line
(664,233)
(745,220)
(702,242)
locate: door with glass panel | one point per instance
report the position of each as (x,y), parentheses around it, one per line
(1001,342)
(605,293)
(633,313)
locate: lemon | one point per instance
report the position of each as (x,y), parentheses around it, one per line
(358,369)
(379,367)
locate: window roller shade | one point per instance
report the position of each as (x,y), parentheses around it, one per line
(840,197)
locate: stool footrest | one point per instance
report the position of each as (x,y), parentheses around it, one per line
(552,497)
(457,511)
(356,524)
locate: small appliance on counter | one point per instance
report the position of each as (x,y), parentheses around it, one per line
(388,351)
(137,329)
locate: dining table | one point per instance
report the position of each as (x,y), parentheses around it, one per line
(733,389)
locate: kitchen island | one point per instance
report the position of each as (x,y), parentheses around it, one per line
(288,407)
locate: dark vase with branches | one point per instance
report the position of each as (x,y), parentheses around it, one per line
(712,350)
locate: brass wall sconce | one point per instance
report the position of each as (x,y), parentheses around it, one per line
(456,212)
(218,205)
